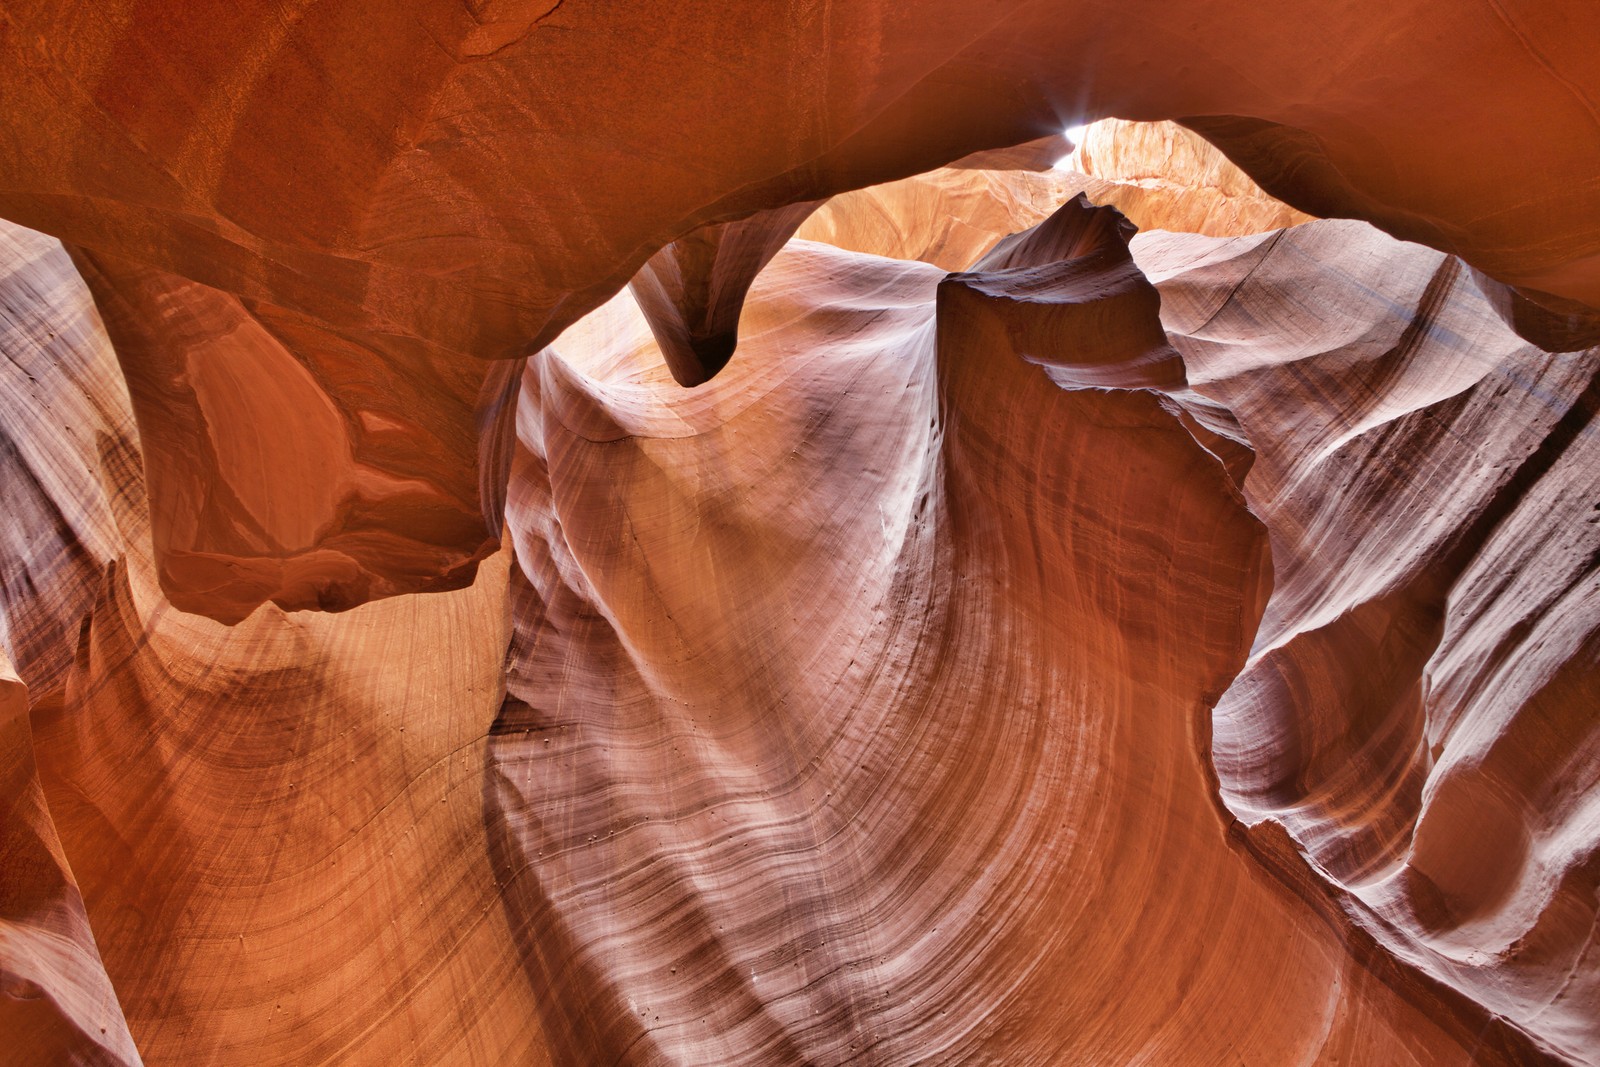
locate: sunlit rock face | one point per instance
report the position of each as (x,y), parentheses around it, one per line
(474,590)
(412,188)
(692,291)
(65,441)
(1164,176)
(827,708)
(1418,710)
(1159,175)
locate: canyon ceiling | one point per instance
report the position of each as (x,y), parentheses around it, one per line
(685,534)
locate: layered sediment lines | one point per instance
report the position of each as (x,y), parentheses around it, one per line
(1158,174)
(291,464)
(1013,648)
(66,428)
(413,188)
(859,701)
(839,726)
(1164,176)
(1418,709)
(260,843)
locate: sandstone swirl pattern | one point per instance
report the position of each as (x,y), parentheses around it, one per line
(276,827)
(361,204)
(1022,643)
(1418,708)
(66,424)
(840,724)
(831,703)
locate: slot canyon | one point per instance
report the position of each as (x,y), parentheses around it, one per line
(548,532)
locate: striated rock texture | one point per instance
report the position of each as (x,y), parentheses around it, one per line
(1159,175)
(346,474)
(1025,643)
(415,187)
(948,217)
(56,1000)
(1166,177)
(66,427)
(693,289)
(1418,709)
(276,828)
(838,724)
(830,706)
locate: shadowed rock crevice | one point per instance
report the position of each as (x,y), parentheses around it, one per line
(692,291)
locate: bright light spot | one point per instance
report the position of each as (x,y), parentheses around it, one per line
(1070,160)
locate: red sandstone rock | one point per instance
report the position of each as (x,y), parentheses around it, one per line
(380,177)
(973,624)
(860,702)
(277,826)
(952,216)
(65,429)
(826,688)
(948,217)
(1166,177)
(693,289)
(345,474)
(1418,707)
(56,1002)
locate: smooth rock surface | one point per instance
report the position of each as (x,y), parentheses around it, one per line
(1418,709)
(831,705)
(415,184)
(1022,650)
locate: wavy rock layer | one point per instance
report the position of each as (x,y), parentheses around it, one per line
(1166,177)
(348,473)
(884,787)
(693,289)
(276,827)
(1418,708)
(948,217)
(876,673)
(56,1001)
(915,691)
(1163,177)
(66,426)
(407,188)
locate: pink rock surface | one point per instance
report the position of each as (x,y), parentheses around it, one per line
(382,177)
(830,705)
(1025,650)
(1417,709)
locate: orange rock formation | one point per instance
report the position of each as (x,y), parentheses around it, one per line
(1022,642)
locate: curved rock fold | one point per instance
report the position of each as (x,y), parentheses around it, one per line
(1026,639)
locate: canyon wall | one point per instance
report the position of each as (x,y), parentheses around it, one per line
(606,534)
